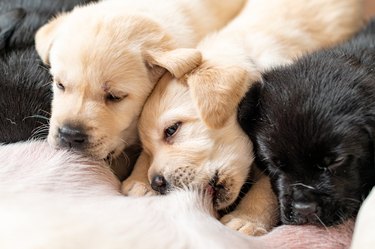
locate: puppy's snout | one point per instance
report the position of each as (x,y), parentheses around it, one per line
(159,184)
(305,208)
(72,136)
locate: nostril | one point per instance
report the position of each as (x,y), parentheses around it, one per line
(305,208)
(159,184)
(72,136)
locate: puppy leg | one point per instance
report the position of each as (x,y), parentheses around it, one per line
(137,183)
(257,212)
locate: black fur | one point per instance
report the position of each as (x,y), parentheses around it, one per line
(313,128)
(20,19)
(25,94)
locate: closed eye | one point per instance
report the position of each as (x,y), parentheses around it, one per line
(60,86)
(110,97)
(336,163)
(331,164)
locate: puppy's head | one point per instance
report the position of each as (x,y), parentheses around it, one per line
(103,67)
(183,149)
(311,131)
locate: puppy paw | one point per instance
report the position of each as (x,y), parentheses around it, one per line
(137,189)
(244,225)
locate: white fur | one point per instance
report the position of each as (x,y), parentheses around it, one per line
(57,200)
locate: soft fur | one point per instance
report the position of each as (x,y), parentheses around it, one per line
(313,127)
(207,146)
(105,59)
(25,94)
(19,19)
(57,199)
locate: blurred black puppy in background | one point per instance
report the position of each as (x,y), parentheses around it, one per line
(313,128)
(20,19)
(25,93)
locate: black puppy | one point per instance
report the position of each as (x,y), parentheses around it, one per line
(313,128)
(20,19)
(25,94)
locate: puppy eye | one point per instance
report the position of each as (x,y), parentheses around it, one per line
(336,163)
(113,98)
(60,86)
(171,130)
(331,164)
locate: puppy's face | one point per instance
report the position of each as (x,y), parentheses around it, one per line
(184,151)
(103,69)
(314,142)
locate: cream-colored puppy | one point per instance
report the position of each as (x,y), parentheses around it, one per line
(188,126)
(106,57)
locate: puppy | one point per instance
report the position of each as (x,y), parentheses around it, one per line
(188,126)
(58,199)
(25,95)
(105,59)
(313,127)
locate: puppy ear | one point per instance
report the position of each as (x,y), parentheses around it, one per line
(217,91)
(369,127)
(178,61)
(45,36)
(8,22)
(248,109)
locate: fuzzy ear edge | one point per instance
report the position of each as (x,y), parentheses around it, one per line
(45,36)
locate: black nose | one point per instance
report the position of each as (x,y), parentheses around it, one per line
(305,208)
(72,137)
(159,184)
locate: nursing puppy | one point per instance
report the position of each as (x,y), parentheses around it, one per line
(105,59)
(25,94)
(313,128)
(58,199)
(188,126)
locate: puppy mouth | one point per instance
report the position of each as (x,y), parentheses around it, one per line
(109,157)
(218,191)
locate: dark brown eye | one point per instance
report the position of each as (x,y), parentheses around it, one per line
(171,130)
(113,98)
(60,86)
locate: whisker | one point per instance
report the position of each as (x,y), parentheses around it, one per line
(321,222)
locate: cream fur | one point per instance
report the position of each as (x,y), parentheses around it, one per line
(121,48)
(209,141)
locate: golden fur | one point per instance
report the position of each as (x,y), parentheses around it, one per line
(118,49)
(208,142)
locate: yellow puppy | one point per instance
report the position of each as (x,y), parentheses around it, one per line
(106,57)
(188,126)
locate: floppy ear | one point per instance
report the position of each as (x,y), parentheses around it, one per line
(8,22)
(46,35)
(248,108)
(178,61)
(217,91)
